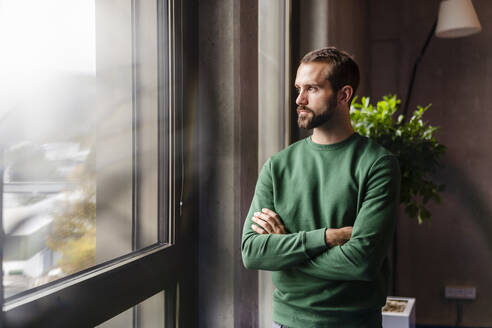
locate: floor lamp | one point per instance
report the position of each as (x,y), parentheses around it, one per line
(456,18)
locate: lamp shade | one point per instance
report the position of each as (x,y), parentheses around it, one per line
(457,18)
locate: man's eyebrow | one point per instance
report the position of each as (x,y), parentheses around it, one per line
(308,85)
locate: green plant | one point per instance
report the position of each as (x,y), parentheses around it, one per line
(74,229)
(413,143)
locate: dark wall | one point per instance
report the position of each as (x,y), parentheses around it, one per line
(455,76)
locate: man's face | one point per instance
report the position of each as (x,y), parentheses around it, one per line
(316,100)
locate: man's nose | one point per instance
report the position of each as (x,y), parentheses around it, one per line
(301,99)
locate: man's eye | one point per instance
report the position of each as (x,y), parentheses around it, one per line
(312,89)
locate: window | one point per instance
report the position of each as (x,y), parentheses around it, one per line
(88,158)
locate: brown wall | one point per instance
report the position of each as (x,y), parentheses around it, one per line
(455,76)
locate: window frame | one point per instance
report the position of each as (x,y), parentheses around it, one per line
(95,295)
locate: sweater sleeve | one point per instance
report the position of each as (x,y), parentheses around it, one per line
(275,251)
(362,256)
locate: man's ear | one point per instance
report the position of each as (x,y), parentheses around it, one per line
(345,93)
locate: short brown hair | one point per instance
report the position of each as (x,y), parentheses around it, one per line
(344,69)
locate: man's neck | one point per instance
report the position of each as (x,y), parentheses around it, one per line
(322,138)
(333,131)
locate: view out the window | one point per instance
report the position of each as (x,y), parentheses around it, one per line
(68,137)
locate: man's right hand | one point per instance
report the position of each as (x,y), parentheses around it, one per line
(337,237)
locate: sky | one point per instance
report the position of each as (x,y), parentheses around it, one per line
(48,50)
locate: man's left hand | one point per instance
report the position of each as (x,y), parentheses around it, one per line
(269,221)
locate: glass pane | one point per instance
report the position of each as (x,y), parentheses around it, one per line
(76,165)
(147,314)
(151,312)
(122,320)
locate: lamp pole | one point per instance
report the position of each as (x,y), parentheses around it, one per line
(415,67)
(404,113)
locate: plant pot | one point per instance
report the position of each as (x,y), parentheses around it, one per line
(404,319)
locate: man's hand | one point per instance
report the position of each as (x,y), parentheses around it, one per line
(337,237)
(272,224)
(269,221)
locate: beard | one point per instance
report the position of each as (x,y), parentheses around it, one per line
(310,120)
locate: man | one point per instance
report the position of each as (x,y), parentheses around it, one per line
(324,208)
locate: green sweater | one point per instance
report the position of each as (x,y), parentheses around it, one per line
(313,187)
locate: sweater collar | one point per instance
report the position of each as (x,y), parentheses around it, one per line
(334,146)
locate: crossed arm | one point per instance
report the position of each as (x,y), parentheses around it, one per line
(269,222)
(349,253)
